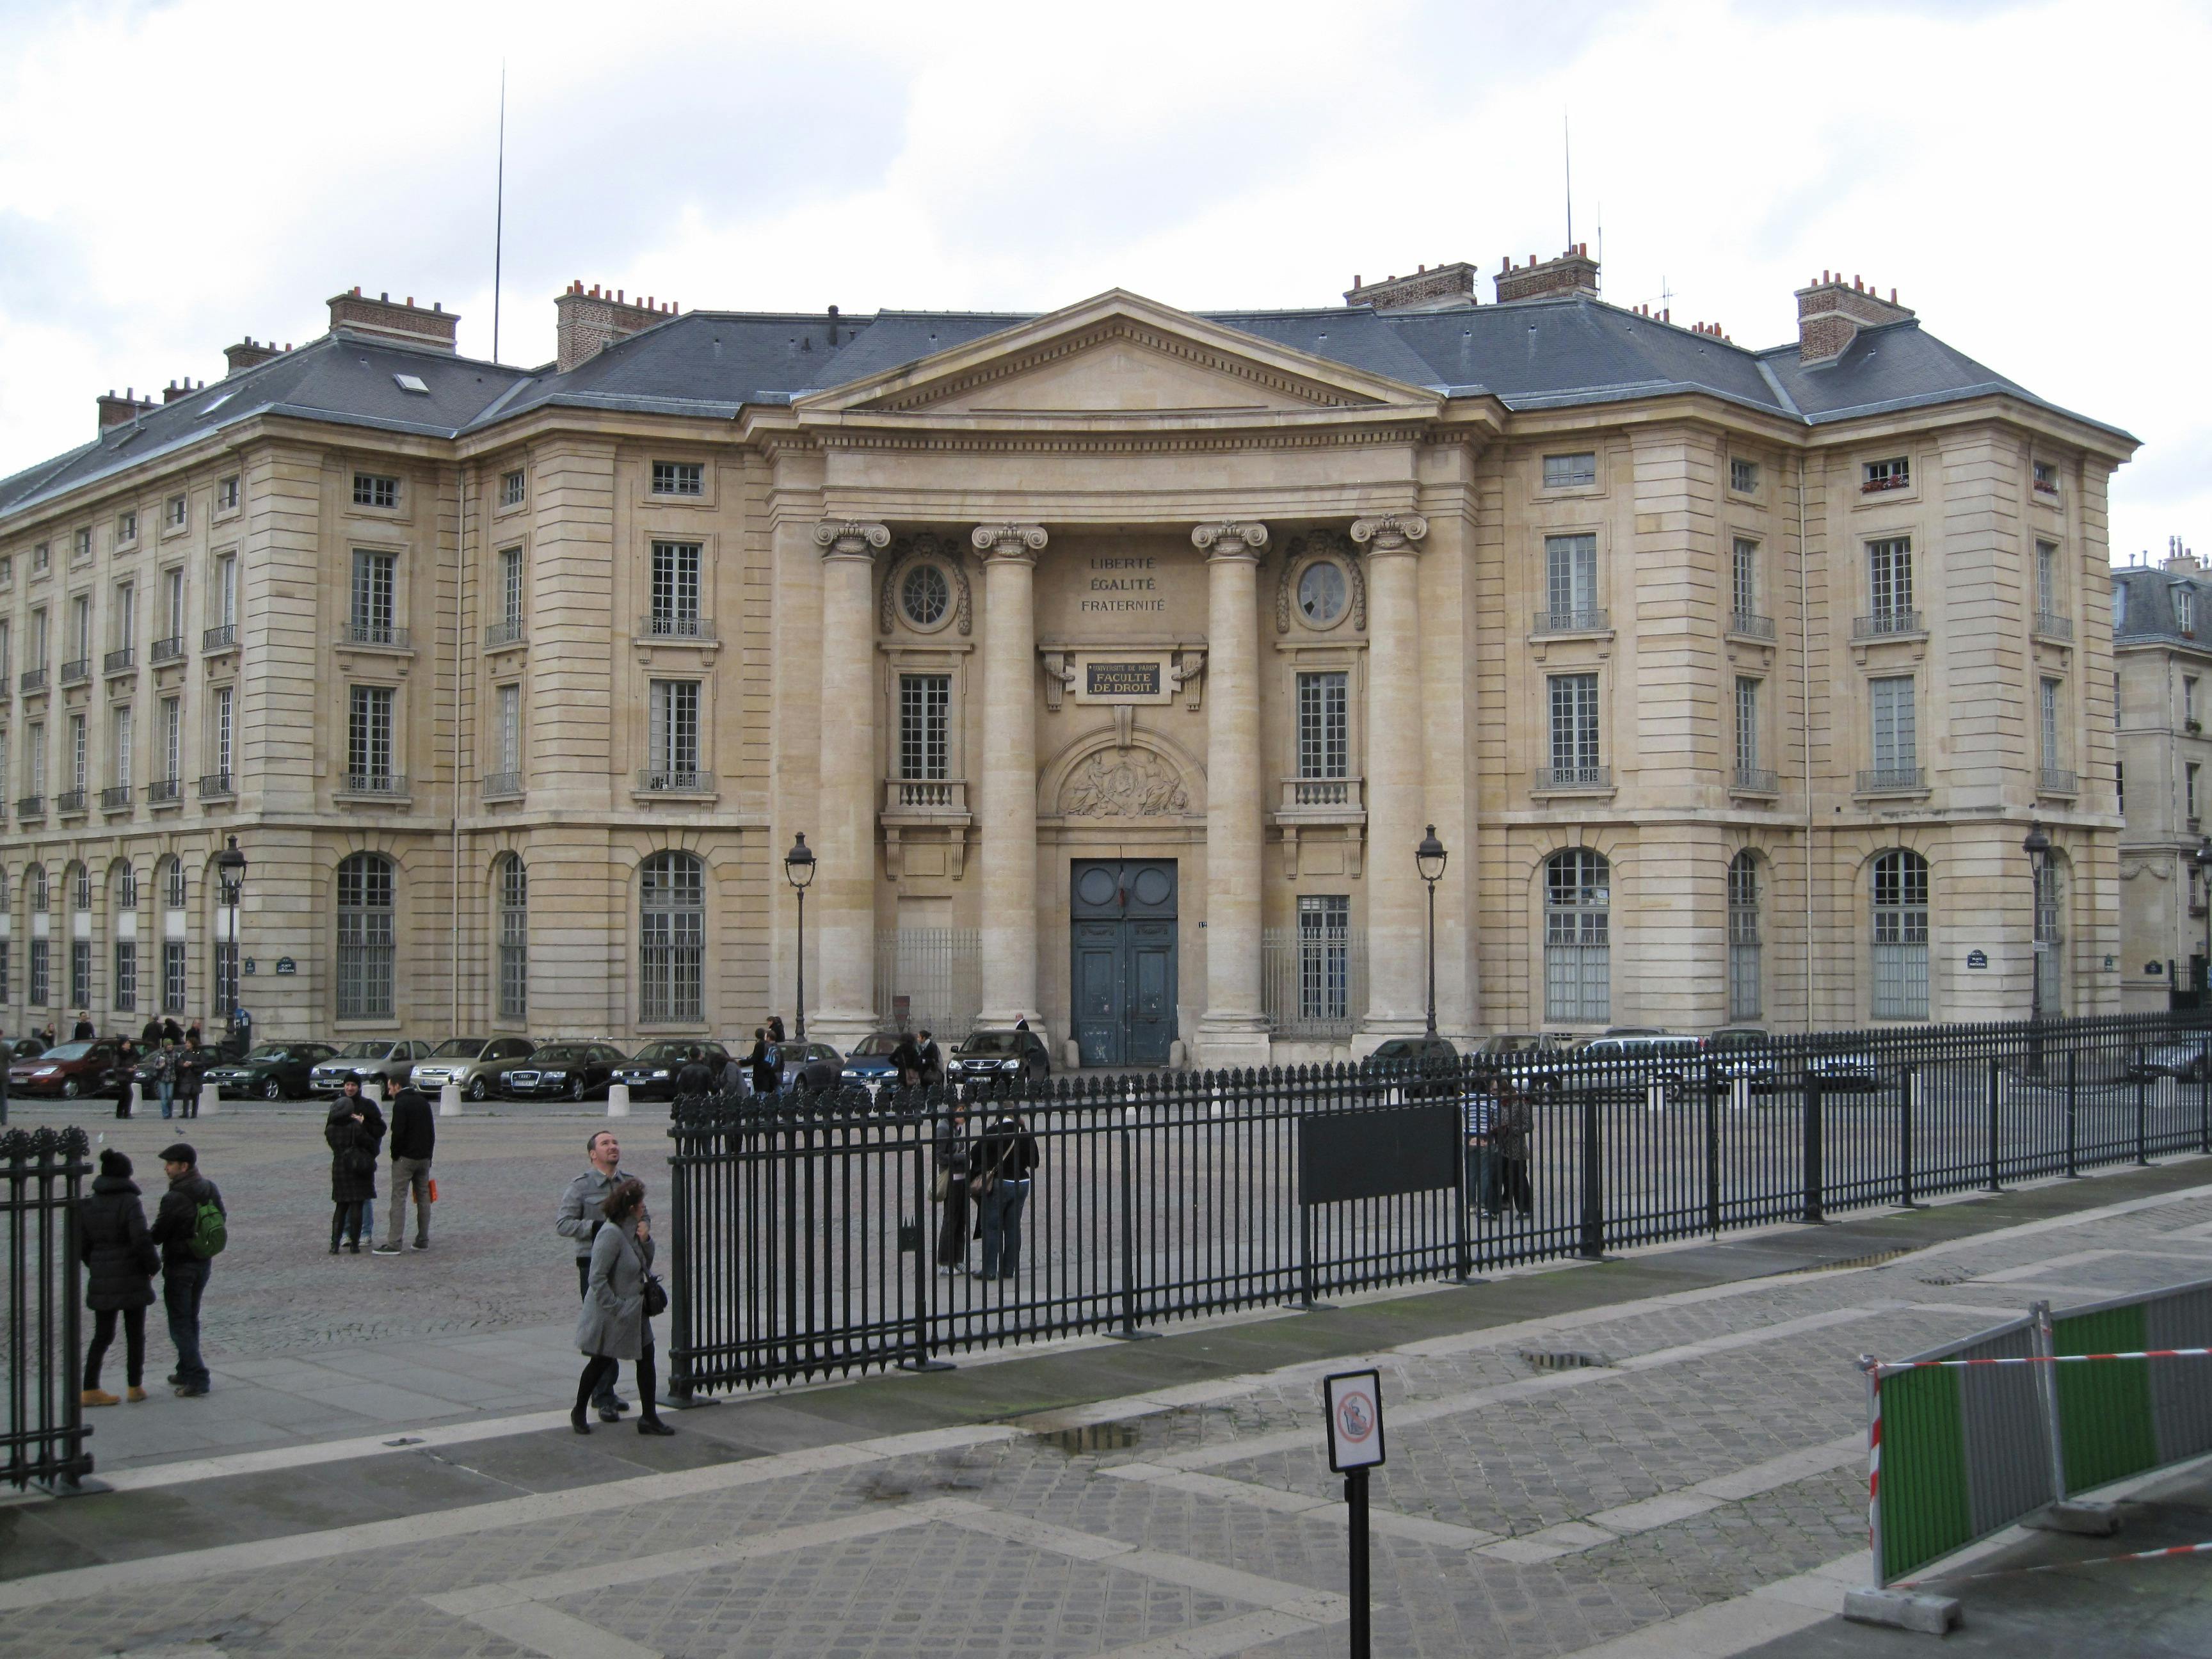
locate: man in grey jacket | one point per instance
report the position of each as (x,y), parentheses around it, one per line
(579,1219)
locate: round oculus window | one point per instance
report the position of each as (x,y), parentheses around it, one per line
(925,596)
(1321,593)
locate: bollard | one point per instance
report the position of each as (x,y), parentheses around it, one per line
(618,1100)
(449,1100)
(130,1098)
(207,1100)
(373,1088)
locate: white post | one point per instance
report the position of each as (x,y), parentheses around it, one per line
(449,1100)
(1740,1094)
(373,1088)
(618,1100)
(130,1097)
(205,1101)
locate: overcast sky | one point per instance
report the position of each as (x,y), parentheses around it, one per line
(2030,178)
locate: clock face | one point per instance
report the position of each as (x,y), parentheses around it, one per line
(1321,593)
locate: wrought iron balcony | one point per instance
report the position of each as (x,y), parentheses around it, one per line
(2056,780)
(1553,778)
(169,650)
(31,806)
(1888,625)
(77,671)
(659,627)
(1750,626)
(224,638)
(502,786)
(1570,622)
(69,800)
(1891,781)
(34,679)
(510,632)
(1755,780)
(2052,626)
(115,798)
(676,780)
(120,661)
(382,636)
(165,792)
(374,783)
(217,785)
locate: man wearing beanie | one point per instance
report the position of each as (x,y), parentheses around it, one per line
(119,1262)
(414,1138)
(185,1272)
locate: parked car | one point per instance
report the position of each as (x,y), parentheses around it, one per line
(791,1057)
(2182,1060)
(868,1062)
(466,1062)
(650,1074)
(1742,1054)
(270,1071)
(1434,1060)
(387,1062)
(67,1069)
(558,1071)
(23,1049)
(1844,1066)
(998,1056)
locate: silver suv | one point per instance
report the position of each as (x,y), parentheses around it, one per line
(387,1061)
(466,1063)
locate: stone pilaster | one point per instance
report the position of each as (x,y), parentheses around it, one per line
(844,891)
(1232,1031)
(1009,855)
(1397,944)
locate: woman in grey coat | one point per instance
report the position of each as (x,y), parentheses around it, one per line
(613,1325)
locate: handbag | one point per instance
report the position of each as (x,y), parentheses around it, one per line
(433,1189)
(940,1183)
(656,1297)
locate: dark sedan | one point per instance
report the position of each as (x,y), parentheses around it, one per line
(558,1071)
(1431,1065)
(1000,1056)
(271,1071)
(21,1049)
(68,1069)
(650,1074)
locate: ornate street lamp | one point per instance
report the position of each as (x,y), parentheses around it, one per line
(2203,856)
(1429,858)
(2037,848)
(230,879)
(798,869)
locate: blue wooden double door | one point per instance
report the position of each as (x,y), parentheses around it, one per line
(1123,917)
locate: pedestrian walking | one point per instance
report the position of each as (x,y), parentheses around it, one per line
(696,1077)
(126,1073)
(1508,1137)
(165,1076)
(149,1037)
(906,1062)
(191,1060)
(171,1031)
(413,1139)
(760,1061)
(581,1214)
(1005,1157)
(1481,1112)
(190,1227)
(951,1153)
(83,1030)
(932,1060)
(776,1028)
(120,1261)
(617,1321)
(354,1146)
(735,1076)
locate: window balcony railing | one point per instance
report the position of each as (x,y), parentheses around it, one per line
(165,792)
(1891,781)
(115,798)
(71,800)
(77,671)
(2052,626)
(1552,778)
(224,638)
(2056,780)
(502,786)
(1756,781)
(34,679)
(380,635)
(1570,622)
(31,806)
(374,783)
(1322,795)
(947,797)
(217,785)
(1887,625)
(659,627)
(509,632)
(1750,626)
(169,650)
(120,661)
(676,780)
(1875,486)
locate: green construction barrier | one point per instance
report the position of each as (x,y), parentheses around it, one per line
(2105,1429)
(1924,1510)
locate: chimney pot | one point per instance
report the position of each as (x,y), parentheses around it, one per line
(382,319)
(385,296)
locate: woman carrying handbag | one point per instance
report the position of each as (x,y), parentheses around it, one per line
(620,1298)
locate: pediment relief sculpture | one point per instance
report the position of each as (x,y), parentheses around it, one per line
(1124,783)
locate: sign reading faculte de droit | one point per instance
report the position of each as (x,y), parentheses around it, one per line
(1121,679)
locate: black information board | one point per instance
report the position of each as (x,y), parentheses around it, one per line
(1343,1156)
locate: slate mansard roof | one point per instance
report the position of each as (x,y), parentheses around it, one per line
(2143,606)
(1529,354)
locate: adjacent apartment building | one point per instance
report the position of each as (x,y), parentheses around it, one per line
(1113,662)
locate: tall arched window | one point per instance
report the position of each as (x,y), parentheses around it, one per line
(365,933)
(513,884)
(1900,936)
(41,967)
(79,883)
(1744,1000)
(122,916)
(175,928)
(1577,950)
(2050,935)
(672,940)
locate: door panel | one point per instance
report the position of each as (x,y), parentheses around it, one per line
(1123,928)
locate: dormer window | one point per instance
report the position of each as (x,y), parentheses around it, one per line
(1570,471)
(678,478)
(1896,473)
(2184,610)
(2046,478)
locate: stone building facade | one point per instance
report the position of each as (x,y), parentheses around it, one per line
(2162,691)
(1112,662)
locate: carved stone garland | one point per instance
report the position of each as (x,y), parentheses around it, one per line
(1325,543)
(907,550)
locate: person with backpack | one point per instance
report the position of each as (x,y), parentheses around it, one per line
(353,1142)
(190,1227)
(120,1263)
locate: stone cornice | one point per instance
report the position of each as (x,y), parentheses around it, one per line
(1028,439)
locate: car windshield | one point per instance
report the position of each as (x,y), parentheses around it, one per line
(68,1051)
(991,1043)
(363,1050)
(883,1042)
(559,1051)
(270,1051)
(663,1053)
(459,1049)
(793,1051)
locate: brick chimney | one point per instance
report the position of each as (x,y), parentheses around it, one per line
(588,321)
(381,318)
(1573,272)
(115,411)
(1830,316)
(2181,561)
(173,391)
(249,353)
(1447,287)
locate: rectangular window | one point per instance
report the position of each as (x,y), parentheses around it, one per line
(2185,609)
(1746,724)
(1570,471)
(79,994)
(225,591)
(84,543)
(2049,708)
(2188,697)
(2046,478)
(1896,473)
(373,490)
(6,655)
(176,510)
(510,487)
(2189,792)
(369,736)
(1743,573)
(1575,755)
(510,729)
(675,734)
(173,604)
(222,705)
(1571,580)
(41,557)
(39,644)
(34,761)
(1896,744)
(80,754)
(126,528)
(172,976)
(1324,957)
(1743,476)
(41,991)
(510,585)
(924,727)
(2120,786)
(513,950)
(372,577)
(1889,580)
(678,478)
(226,494)
(124,622)
(172,739)
(2047,597)
(1324,727)
(127,975)
(79,635)
(120,760)
(676,588)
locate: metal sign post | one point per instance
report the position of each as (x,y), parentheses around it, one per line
(1354,1403)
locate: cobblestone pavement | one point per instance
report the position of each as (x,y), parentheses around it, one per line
(1705,1473)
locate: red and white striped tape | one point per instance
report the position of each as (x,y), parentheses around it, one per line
(1885,1367)
(2095,1561)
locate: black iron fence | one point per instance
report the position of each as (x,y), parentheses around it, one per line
(43,1438)
(813,1235)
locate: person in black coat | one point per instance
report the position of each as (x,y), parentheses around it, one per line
(191,1060)
(126,1070)
(697,1077)
(83,1031)
(120,1261)
(932,1060)
(354,1143)
(999,1183)
(762,1064)
(149,1037)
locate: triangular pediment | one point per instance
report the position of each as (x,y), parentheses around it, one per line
(1118,355)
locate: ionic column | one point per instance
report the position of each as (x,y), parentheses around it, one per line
(843,896)
(1397,943)
(1233,1031)
(1008,855)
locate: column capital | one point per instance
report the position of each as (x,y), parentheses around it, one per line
(1009,541)
(1392,532)
(850,538)
(1229,540)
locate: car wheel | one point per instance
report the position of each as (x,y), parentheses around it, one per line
(478,1090)
(272,1089)
(71,1088)
(575,1088)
